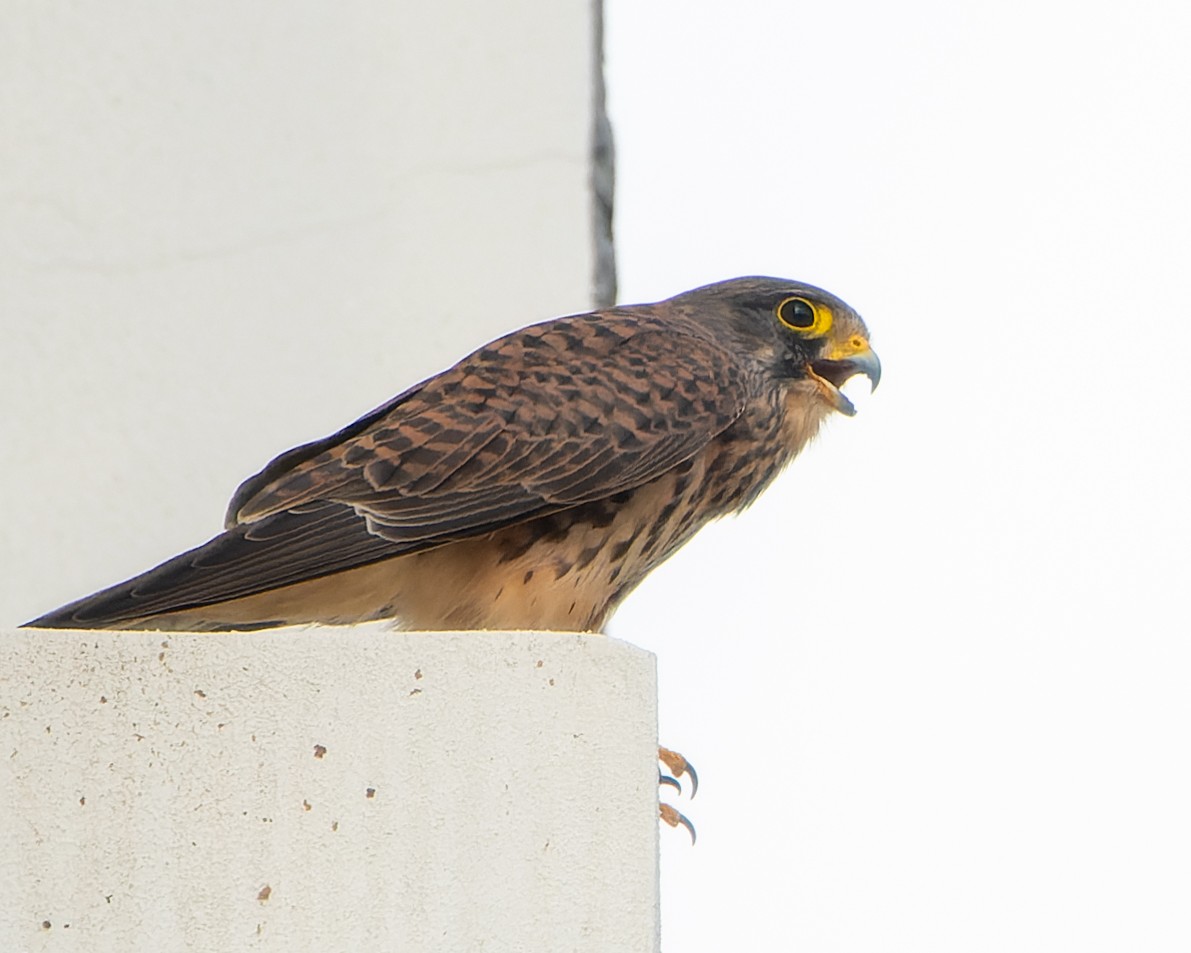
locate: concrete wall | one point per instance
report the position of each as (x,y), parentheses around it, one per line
(229,228)
(226,229)
(336,789)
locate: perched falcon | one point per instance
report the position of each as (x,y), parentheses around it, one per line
(531,486)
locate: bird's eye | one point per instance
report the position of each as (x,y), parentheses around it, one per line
(805,317)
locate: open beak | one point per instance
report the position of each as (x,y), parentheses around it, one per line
(831,375)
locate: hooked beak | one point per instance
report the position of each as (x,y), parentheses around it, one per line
(830,375)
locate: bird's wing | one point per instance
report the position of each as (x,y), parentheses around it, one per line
(558,414)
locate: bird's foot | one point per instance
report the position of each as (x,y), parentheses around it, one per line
(678,766)
(668,814)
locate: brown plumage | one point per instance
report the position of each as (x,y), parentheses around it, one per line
(532,485)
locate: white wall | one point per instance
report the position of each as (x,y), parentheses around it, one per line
(339,789)
(226,229)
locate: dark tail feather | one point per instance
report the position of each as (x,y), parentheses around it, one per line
(281,550)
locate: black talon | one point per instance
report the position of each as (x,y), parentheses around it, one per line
(673,782)
(680,766)
(685,822)
(673,818)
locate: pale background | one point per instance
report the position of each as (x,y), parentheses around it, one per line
(938,680)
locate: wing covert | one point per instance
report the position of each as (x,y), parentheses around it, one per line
(552,416)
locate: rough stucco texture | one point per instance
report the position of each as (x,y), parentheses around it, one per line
(326,789)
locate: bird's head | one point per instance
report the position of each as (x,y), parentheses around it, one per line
(800,332)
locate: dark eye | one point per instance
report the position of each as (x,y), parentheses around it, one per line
(796,313)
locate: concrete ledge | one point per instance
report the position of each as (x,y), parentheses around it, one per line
(327,789)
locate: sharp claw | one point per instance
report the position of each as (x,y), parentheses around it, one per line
(673,782)
(679,766)
(673,818)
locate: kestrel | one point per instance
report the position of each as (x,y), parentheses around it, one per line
(531,486)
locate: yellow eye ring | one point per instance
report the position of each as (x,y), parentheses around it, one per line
(808,318)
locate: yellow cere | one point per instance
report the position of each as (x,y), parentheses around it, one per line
(856,344)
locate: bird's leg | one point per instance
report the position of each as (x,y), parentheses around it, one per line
(678,766)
